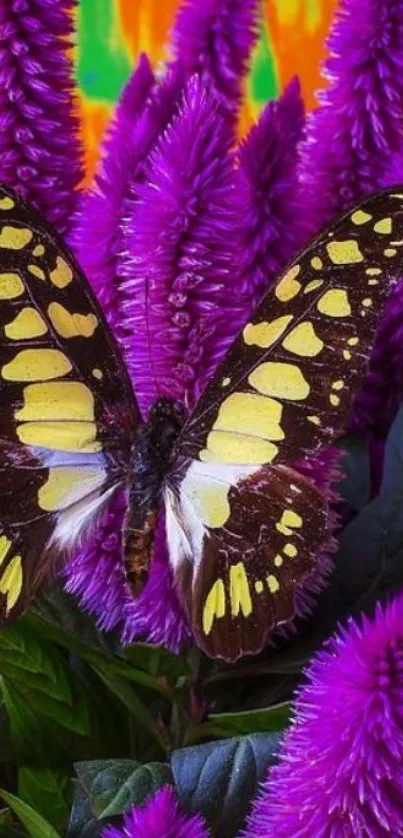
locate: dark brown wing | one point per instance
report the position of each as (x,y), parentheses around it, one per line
(68,415)
(283,391)
(251,543)
(286,386)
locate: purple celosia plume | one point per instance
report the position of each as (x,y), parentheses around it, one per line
(39,147)
(340,771)
(179,264)
(356,132)
(159,817)
(353,147)
(96,235)
(271,226)
(215,38)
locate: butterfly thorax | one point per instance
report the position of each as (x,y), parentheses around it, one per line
(152,454)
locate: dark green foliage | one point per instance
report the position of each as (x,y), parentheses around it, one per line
(88,728)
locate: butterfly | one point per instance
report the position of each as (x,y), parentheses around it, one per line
(244,525)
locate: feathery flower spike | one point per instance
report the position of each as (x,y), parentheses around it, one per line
(340,771)
(215,38)
(160,816)
(38,125)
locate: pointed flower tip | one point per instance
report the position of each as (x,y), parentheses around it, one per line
(340,769)
(159,816)
(216,37)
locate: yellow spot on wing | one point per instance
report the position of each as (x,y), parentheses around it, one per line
(35,270)
(39,250)
(314,419)
(317,263)
(344,252)
(290,550)
(303,341)
(6,203)
(11,286)
(246,413)
(288,287)
(278,561)
(389,252)
(338,385)
(353,341)
(11,582)
(70,325)
(65,486)
(57,401)
(5,545)
(27,324)
(286,381)
(15,238)
(265,334)
(36,365)
(258,586)
(289,521)
(62,274)
(272,583)
(384,226)
(346,355)
(214,605)
(97,373)
(60,436)
(239,591)
(226,447)
(373,271)
(360,217)
(210,500)
(334,303)
(313,285)
(367,302)
(334,400)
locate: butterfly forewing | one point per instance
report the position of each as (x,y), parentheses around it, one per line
(286,385)
(282,393)
(68,415)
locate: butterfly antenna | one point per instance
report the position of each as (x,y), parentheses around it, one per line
(149,339)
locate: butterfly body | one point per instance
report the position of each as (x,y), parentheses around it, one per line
(245,521)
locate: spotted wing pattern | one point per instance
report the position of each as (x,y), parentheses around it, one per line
(282,393)
(67,413)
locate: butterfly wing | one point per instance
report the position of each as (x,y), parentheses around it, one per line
(282,393)
(68,414)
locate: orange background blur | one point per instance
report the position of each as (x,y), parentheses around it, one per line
(109,40)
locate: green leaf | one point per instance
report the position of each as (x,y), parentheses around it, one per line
(219,779)
(35,824)
(38,672)
(156,660)
(126,694)
(109,787)
(49,792)
(267,719)
(355,483)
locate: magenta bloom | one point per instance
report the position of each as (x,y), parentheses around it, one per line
(340,772)
(215,38)
(159,818)
(39,148)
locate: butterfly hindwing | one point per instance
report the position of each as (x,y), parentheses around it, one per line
(282,393)
(67,415)
(252,540)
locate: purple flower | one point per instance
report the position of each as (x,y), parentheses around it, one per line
(356,132)
(215,38)
(271,227)
(96,234)
(160,816)
(38,126)
(340,771)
